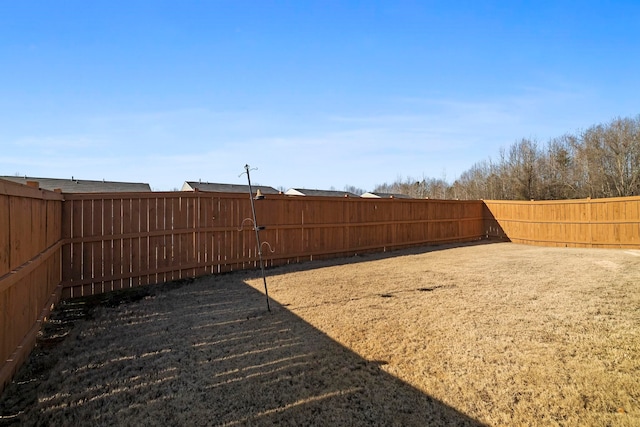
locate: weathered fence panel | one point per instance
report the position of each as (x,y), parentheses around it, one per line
(30,274)
(591,223)
(115,241)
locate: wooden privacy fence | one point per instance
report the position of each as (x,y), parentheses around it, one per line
(30,274)
(92,243)
(116,241)
(591,223)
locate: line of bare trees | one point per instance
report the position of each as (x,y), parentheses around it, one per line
(602,161)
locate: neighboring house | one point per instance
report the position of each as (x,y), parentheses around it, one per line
(376,195)
(321,193)
(80,185)
(226,188)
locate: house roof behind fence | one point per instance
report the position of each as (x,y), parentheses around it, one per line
(226,188)
(377,195)
(74,185)
(321,193)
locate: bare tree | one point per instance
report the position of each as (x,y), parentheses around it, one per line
(602,161)
(557,170)
(522,166)
(353,189)
(622,156)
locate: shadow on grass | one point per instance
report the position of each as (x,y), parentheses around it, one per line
(208,353)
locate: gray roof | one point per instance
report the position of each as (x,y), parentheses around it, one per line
(226,188)
(81,185)
(321,193)
(377,195)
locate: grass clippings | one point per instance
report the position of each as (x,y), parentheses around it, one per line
(497,334)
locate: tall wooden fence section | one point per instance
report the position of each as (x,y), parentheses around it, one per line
(30,273)
(590,223)
(88,244)
(116,241)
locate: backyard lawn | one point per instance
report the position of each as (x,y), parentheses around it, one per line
(474,334)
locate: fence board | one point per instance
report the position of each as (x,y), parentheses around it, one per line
(143,242)
(116,281)
(154,241)
(30,273)
(127,242)
(203,239)
(135,270)
(107,244)
(21,248)
(88,256)
(5,235)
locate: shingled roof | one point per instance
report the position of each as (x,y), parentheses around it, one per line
(81,185)
(377,195)
(321,193)
(226,188)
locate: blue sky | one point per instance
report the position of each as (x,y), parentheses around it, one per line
(315,94)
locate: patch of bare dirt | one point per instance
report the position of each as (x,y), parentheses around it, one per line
(497,334)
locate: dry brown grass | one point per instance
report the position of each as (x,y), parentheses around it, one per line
(501,334)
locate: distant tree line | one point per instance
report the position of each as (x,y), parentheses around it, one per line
(602,161)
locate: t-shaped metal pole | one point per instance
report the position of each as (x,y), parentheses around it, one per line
(257,230)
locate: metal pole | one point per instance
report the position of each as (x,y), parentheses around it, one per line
(257,230)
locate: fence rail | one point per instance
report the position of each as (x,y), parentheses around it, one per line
(591,223)
(30,273)
(116,241)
